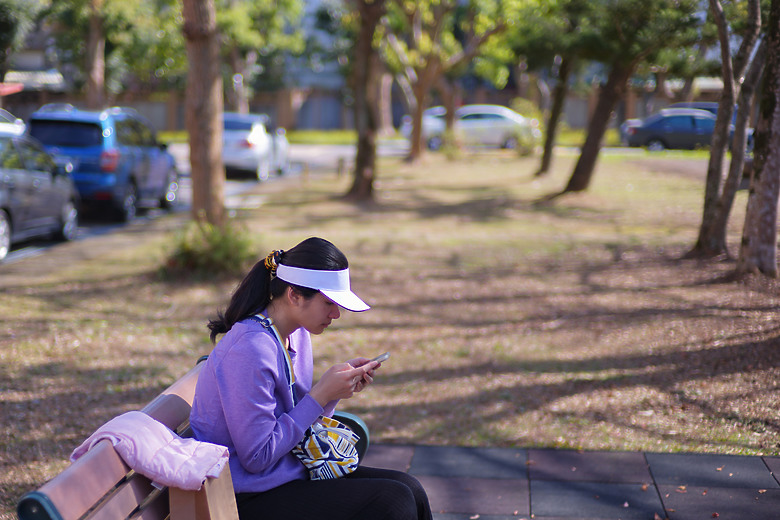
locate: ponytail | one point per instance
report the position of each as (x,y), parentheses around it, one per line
(261,285)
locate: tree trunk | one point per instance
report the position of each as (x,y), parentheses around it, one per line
(609,95)
(559,99)
(203,101)
(708,244)
(365,70)
(758,252)
(386,127)
(716,233)
(96,57)
(239,92)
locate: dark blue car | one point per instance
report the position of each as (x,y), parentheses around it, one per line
(37,196)
(681,128)
(118,165)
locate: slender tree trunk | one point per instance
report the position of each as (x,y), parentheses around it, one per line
(707,243)
(609,95)
(758,252)
(96,57)
(365,78)
(426,78)
(386,104)
(559,99)
(203,100)
(239,92)
(716,233)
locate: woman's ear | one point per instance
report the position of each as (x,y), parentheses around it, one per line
(293,296)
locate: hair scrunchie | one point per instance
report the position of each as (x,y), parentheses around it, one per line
(272,261)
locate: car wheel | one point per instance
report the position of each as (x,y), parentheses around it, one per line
(434,143)
(655,145)
(69,222)
(171,195)
(263,170)
(127,209)
(5,234)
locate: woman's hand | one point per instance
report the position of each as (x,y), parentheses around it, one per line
(343,380)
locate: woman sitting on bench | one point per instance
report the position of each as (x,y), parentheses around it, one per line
(257,397)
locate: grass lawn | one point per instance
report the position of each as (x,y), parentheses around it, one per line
(511,322)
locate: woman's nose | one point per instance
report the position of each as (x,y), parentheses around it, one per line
(336,313)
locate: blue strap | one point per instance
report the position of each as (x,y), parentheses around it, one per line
(266,322)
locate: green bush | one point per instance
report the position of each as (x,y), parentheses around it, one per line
(527,142)
(202,250)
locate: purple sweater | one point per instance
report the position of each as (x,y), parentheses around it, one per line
(243,401)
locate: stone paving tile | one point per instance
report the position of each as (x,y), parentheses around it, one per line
(694,469)
(477,516)
(590,466)
(481,496)
(694,503)
(594,500)
(398,458)
(773,463)
(451,461)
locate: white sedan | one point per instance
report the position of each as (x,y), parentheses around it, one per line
(249,147)
(484,125)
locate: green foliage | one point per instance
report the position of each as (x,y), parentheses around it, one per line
(255,35)
(202,250)
(143,41)
(16,19)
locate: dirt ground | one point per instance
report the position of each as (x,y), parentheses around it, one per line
(577,325)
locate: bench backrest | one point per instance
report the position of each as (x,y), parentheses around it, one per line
(100,486)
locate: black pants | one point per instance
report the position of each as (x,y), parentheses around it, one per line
(367,493)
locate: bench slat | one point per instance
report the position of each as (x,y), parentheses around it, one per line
(124,501)
(93,477)
(76,490)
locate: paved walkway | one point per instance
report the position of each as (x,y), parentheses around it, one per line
(504,484)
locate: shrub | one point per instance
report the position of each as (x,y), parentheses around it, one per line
(202,250)
(527,142)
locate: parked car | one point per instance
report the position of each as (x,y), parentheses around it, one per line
(37,196)
(10,123)
(484,125)
(118,164)
(250,145)
(679,128)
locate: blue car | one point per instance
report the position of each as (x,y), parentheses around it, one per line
(37,196)
(118,165)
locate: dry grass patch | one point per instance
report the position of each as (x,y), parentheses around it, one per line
(511,322)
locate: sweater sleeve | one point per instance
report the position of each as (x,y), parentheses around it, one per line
(257,403)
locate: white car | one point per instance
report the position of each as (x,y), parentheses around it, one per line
(11,124)
(483,125)
(249,147)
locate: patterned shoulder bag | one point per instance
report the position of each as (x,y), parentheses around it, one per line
(328,449)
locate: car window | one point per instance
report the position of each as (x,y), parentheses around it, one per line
(679,122)
(472,117)
(34,157)
(232,124)
(9,157)
(126,133)
(66,133)
(145,134)
(704,123)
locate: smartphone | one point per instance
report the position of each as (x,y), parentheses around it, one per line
(382,358)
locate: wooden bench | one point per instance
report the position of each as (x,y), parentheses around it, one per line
(100,486)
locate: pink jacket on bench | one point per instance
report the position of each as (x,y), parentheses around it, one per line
(153,450)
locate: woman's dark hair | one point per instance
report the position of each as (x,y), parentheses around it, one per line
(256,290)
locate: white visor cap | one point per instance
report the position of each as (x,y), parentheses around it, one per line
(333,284)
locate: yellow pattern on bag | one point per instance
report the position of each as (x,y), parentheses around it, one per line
(328,449)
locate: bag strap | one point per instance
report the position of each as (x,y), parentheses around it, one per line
(268,323)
